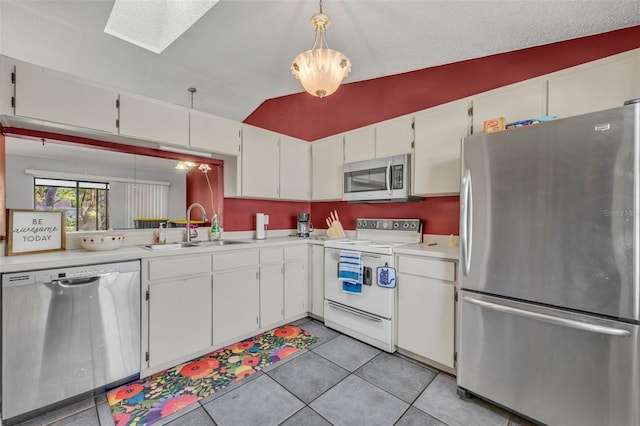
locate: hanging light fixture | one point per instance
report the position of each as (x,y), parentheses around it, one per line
(320,70)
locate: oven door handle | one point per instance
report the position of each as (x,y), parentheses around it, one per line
(354,311)
(372,256)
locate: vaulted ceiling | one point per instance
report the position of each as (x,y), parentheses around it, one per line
(239,53)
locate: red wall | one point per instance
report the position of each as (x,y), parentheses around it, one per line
(209,194)
(439,215)
(366,102)
(240,214)
(363,103)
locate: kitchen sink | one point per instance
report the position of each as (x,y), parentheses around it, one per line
(170,246)
(217,243)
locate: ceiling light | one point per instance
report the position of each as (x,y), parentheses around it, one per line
(184,165)
(320,70)
(154,24)
(204,168)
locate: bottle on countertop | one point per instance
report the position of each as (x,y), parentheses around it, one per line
(215,232)
(161,235)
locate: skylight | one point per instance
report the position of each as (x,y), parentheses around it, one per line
(154,24)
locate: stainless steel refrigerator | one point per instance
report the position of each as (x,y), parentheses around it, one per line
(549,236)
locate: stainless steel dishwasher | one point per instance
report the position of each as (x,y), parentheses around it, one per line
(66,333)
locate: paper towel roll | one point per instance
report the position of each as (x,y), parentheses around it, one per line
(262,220)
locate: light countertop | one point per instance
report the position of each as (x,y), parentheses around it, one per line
(78,257)
(436,246)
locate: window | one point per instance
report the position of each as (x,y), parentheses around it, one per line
(86,203)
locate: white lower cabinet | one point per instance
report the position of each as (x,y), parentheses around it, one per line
(236,295)
(296,281)
(196,303)
(316,278)
(176,310)
(179,319)
(271,294)
(283,284)
(271,286)
(236,303)
(426,308)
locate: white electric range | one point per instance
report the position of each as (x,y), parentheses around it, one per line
(368,314)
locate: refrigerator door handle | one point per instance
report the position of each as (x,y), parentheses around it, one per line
(579,325)
(466,225)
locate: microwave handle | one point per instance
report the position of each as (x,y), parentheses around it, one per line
(388,180)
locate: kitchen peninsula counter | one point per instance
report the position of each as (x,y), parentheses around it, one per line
(79,257)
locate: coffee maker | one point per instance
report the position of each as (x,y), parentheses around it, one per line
(304,225)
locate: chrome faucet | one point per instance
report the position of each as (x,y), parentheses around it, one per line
(204,218)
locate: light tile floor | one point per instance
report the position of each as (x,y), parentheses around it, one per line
(337,381)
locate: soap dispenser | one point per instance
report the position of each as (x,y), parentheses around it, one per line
(161,236)
(215,232)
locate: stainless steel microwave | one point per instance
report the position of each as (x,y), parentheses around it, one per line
(378,180)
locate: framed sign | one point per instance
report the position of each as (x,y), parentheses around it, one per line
(35,231)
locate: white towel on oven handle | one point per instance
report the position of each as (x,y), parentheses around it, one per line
(350,266)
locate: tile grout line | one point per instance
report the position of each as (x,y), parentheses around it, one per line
(208,414)
(94,405)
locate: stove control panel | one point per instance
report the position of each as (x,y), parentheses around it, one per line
(414,225)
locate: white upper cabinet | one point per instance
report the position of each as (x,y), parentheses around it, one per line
(56,97)
(327,158)
(593,88)
(515,102)
(360,144)
(260,163)
(394,137)
(436,159)
(149,119)
(295,169)
(213,133)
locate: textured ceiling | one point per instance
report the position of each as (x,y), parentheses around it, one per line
(239,53)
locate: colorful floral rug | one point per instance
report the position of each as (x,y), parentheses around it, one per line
(148,400)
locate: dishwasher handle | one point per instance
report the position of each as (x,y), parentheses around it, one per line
(77,282)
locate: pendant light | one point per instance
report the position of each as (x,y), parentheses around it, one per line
(320,70)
